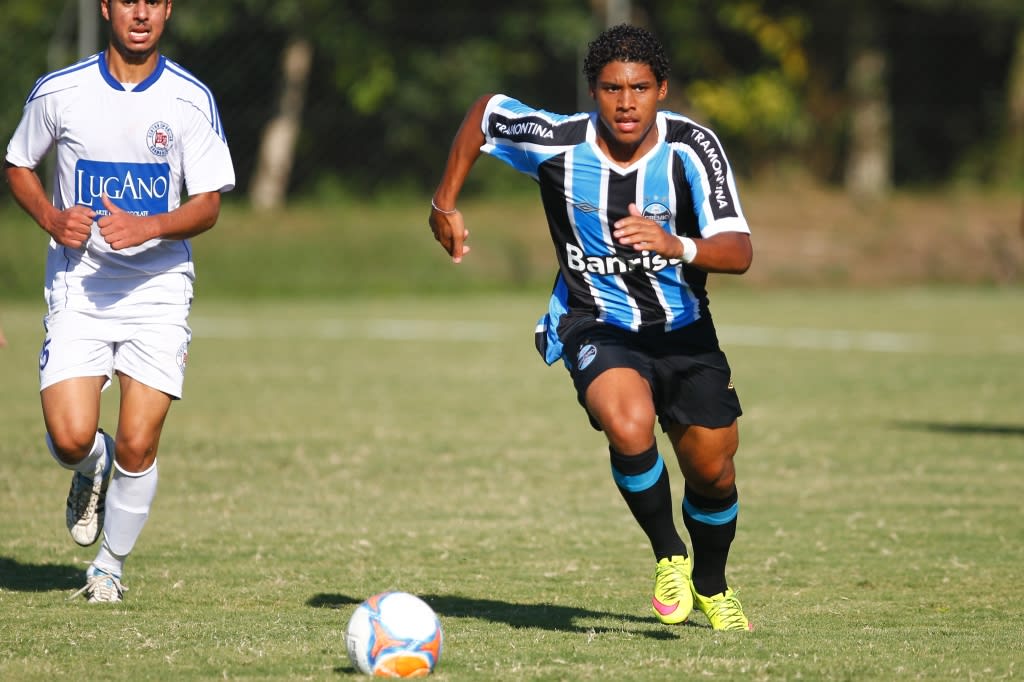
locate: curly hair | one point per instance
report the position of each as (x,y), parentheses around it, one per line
(625,43)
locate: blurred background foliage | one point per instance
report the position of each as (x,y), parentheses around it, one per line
(323,98)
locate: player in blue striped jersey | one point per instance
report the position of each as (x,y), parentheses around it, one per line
(129,130)
(641,205)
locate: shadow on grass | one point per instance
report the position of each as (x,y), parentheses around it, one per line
(964,428)
(546,616)
(19,577)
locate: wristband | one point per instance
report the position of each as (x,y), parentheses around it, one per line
(441,210)
(689,249)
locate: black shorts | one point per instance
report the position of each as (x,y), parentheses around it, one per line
(688,373)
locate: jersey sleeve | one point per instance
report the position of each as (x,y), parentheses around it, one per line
(712,185)
(524,137)
(35,134)
(207,159)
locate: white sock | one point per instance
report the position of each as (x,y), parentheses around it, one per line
(87,465)
(129,498)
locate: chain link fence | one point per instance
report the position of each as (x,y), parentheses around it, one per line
(349,98)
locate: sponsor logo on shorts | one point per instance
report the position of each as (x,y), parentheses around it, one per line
(159,138)
(183,357)
(730,387)
(586,356)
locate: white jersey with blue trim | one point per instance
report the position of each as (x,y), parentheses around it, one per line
(140,145)
(684,182)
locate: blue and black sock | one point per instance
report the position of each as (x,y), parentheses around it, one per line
(643,481)
(712,527)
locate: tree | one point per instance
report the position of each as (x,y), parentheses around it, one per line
(868,173)
(277,144)
(321,95)
(743,68)
(1014,164)
(955,90)
(278,138)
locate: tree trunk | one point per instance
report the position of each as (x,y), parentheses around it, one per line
(868,172)
(1015,97)
(1014,171)
(277,144)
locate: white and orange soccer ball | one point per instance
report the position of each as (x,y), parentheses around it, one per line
(394,634)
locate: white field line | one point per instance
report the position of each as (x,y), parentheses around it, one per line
(870,341)
(480,331)
(350,329)
(825,339)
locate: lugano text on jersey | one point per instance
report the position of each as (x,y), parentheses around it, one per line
(616,265)
(140,188)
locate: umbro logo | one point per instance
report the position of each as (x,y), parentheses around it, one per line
(585,207)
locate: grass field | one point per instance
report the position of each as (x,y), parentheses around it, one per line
(327,451)
(804,235)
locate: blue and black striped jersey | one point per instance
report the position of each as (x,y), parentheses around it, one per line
(684,182)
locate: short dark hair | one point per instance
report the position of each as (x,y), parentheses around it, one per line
(625,43)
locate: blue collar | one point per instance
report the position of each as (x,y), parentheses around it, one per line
(113,82)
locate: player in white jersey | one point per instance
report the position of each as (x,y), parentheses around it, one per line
(641,205)
(130,129)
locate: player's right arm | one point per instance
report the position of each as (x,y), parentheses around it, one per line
(70,227)
(445,221)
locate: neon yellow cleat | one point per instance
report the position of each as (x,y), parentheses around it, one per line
(673,594)
(724,611)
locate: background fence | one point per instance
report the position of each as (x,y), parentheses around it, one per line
(364,97)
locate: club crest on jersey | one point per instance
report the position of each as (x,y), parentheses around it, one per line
(586,356)
(159,138)
(657,212)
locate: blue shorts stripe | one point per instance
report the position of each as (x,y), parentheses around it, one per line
(639,482)
(718,518)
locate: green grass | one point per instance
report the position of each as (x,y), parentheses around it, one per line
(329,250)
(328,450)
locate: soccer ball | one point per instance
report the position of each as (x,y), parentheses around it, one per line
(394,634)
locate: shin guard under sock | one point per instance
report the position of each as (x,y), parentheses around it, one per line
(643,482)
(129,499)
(712,527)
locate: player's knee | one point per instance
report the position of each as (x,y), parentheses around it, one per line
(629,432)
(71,445)
(713,477)
(135,452)
(725,481)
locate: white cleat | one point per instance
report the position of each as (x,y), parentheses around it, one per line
(101,587)
(87,499)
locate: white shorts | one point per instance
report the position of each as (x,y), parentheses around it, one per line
(151,349)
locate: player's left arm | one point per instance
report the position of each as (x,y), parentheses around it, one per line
(122,229)
(728,252)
